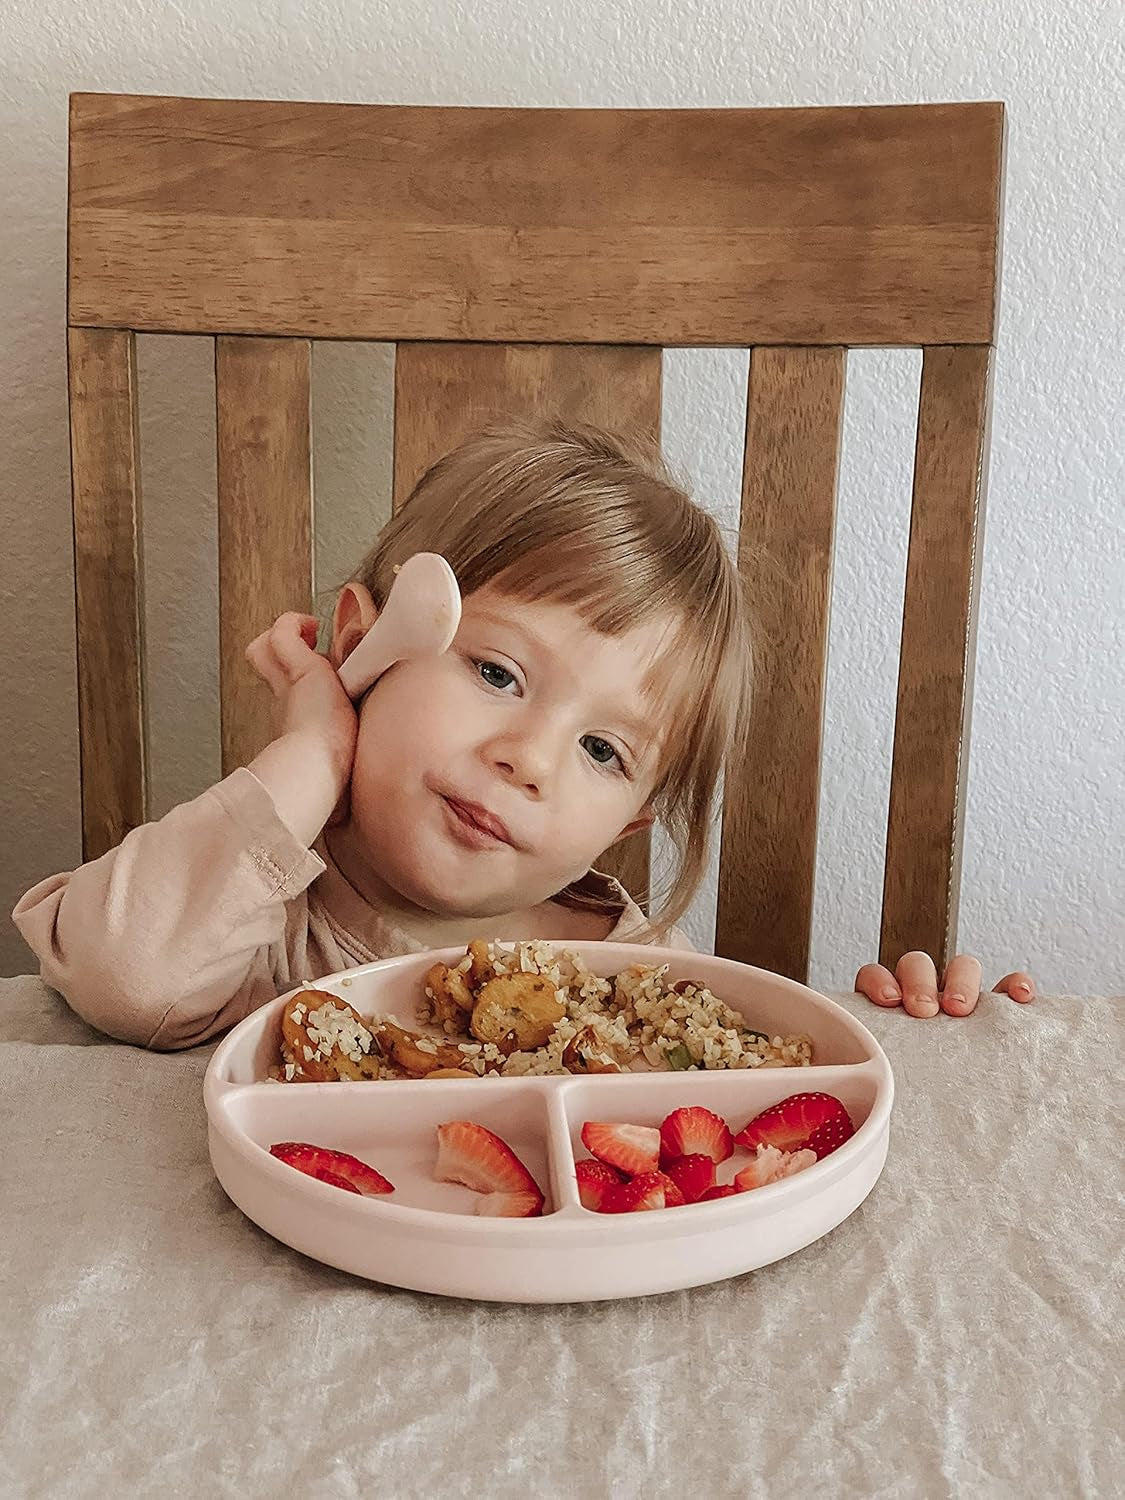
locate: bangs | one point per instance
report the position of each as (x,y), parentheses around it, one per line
(620,552)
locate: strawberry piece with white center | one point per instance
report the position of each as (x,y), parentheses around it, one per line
(473,1156)
(629,1148)
(791,1124)
(334,1167)
(695,1131)
(771,1165)
(645,1191)
(510,1205)
(595,1182)
(693,1175)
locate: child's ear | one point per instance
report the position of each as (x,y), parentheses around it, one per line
(644,819)
(353,617)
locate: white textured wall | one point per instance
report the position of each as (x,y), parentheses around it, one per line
(1046,808)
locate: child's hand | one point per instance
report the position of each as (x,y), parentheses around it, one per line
(914,985)
(308,767)
(308,695)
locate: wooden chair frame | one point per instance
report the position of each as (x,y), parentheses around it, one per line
(520,257)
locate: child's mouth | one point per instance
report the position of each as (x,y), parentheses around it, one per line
(474,826)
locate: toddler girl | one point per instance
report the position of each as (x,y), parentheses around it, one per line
(597,680)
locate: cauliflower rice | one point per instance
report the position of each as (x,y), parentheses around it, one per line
(637,1021)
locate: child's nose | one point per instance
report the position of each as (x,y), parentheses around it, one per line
(528,759)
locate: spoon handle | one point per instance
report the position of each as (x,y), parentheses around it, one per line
(371,657)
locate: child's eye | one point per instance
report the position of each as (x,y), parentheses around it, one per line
(600,750)
(495,675)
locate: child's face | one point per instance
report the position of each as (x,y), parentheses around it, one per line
(531,724)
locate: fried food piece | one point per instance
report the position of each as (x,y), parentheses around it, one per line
(324,1040)
(451,998)
(407,1050)
(481,970)
(519,1008)
(450,1073)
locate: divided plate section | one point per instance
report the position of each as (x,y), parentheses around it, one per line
(394,988)
(736,1096)
(393,1127)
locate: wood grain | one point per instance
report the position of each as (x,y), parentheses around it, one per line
(265,519)
(768,848)
(445,391)
(931,744)
(105,486)
(856,225)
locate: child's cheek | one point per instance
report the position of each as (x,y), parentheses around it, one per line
(416,705)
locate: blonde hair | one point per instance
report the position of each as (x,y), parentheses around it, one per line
(569,513)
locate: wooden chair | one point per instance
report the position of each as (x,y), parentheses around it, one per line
(526,256)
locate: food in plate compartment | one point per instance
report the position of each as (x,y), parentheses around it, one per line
(695,1131)
(694,1175)
(338,1168)
(477,1158)
(323,1040)
(596,1180)
(815,1121)
(784,1139)
(626,1148)
(528,1009)
(645,1191)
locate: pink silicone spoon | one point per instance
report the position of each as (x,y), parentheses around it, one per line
(420,618)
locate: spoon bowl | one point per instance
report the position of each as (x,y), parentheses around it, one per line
(420,618)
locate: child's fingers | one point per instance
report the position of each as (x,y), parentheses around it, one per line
(293,639)
(310,630)
(261,656)
(917,979)
(914,985)
(960,985)
(1019,985)
(878,984)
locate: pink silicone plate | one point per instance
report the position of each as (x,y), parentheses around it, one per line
(426,1236)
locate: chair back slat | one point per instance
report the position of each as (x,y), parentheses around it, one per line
(931,745)
(105,483)
(854,225)
(768,858)
(265,518)
(445,391)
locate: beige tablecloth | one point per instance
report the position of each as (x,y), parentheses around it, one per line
(960,1335)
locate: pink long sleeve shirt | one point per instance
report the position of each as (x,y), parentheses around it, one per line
(194,921)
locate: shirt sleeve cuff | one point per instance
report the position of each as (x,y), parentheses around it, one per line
(283,861)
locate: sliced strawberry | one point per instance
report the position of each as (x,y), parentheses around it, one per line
(831,1136)
(693,1175)
(335,1167)
(646,1190)
(771,1165)
(629,1148)
(333,1180)
(695,1131)
(726,1190)
(472,1155)
(595,1181)
(789,1124)
(510,1205)
(673,1195)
